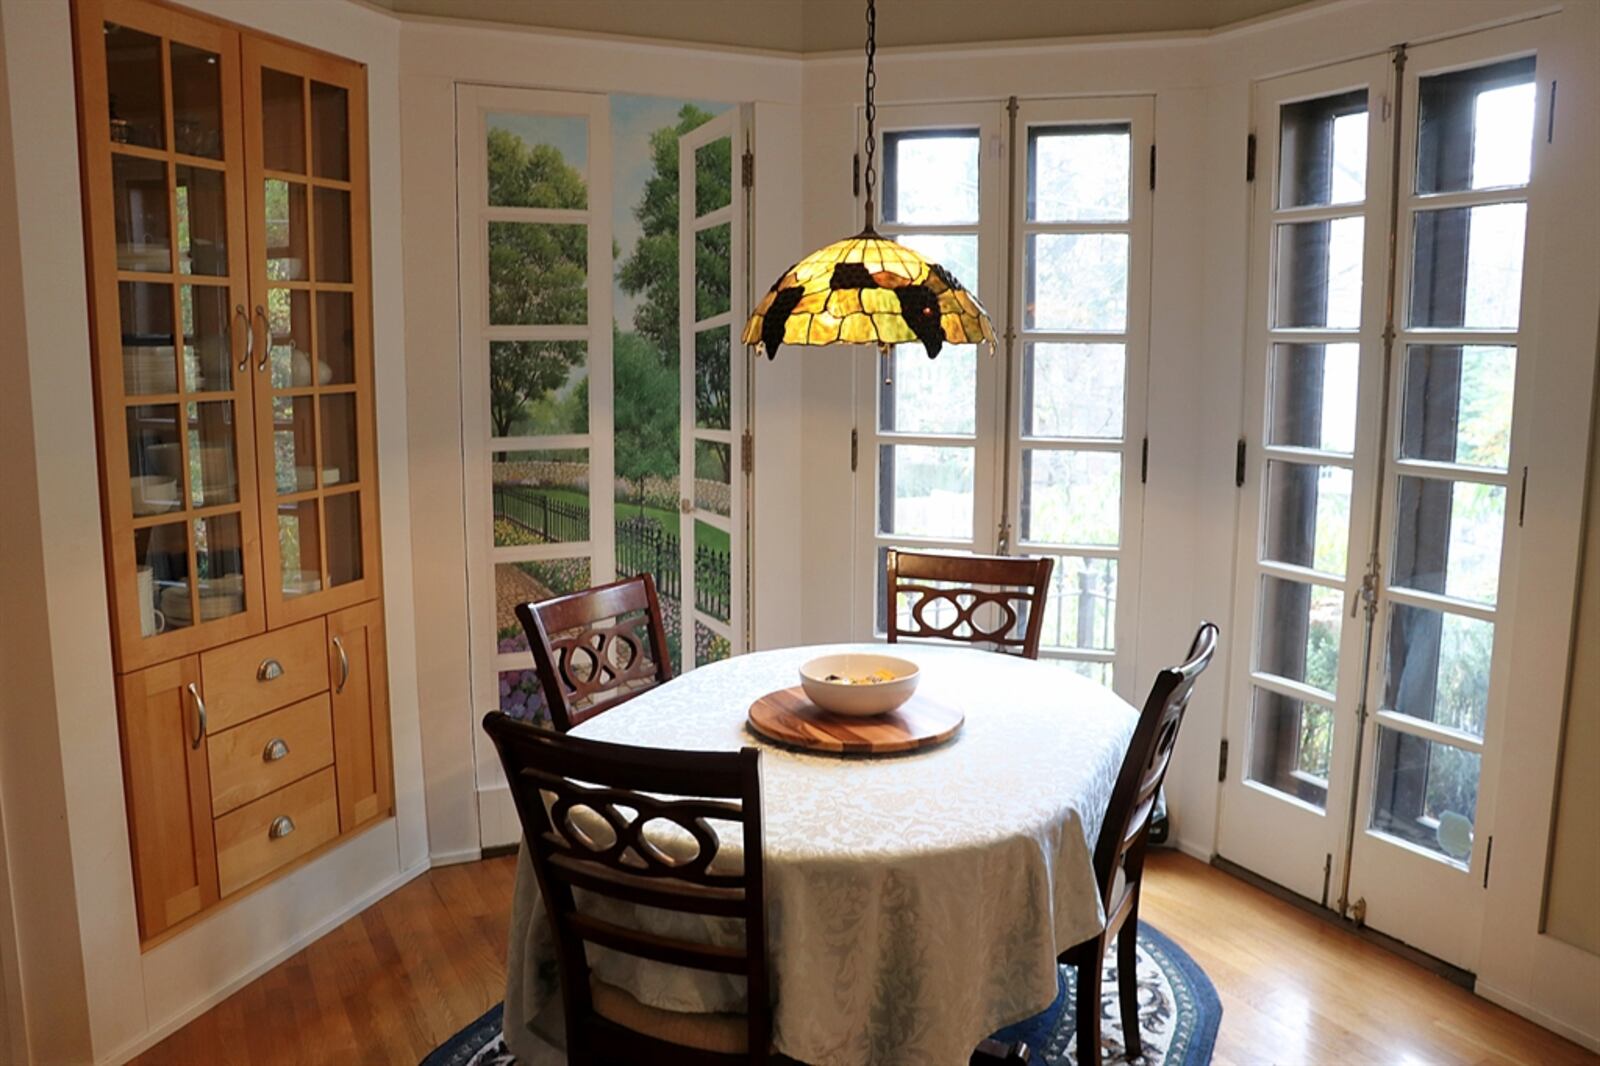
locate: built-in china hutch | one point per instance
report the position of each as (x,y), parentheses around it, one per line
(225,180)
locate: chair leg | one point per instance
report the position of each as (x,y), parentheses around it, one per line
(1090,963)
(1128,983)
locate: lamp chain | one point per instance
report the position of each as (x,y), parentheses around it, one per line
(872,116)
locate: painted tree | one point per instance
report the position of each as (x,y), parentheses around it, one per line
(538,273)
(651,271)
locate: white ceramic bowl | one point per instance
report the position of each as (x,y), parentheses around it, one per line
(858,700)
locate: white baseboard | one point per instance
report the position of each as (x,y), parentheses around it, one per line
(1538,1017)
(166,1028)
(454,858)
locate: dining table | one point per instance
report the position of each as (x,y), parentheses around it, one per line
(916,903)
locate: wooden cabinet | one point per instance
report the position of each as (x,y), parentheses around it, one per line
(168,783)
(360,719)
(225,180)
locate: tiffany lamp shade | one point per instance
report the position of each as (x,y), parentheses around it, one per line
(868,289)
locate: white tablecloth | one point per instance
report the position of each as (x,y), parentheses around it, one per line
(916,903)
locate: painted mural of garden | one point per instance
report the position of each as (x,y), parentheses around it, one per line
(540,274)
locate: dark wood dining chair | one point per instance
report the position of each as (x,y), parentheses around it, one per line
(597,648)
(975,599)
(1119,853)
(550,774)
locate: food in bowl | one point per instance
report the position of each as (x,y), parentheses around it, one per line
(859,684)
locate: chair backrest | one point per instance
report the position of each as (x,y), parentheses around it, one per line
(615,791)
(1143,768)
(974,599)
(597,648)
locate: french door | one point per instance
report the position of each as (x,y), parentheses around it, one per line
(712,367)
(1043,208)
(1378,530)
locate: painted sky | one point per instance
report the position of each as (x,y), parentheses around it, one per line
(633,120)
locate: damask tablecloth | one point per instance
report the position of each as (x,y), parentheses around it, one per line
(916,903)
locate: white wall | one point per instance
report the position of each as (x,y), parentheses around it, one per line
(435,57)
(87,992)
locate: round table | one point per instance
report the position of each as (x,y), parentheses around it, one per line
(916,903)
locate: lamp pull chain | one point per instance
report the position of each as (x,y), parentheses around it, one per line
(872,117)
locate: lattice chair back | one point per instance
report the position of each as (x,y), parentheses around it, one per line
(597,648)
(997,601)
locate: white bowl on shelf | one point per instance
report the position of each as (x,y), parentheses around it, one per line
(846,683)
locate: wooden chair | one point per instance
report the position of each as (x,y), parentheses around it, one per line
(624,786)
(597,648)
(550,774)
(965,585)
(1119,853)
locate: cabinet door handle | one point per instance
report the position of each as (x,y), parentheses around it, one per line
(199,716)
(261,314)
(243,317)
(281,827)
(276,749)
(344,664)
(269,670)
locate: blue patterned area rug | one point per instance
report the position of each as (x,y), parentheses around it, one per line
(1178,1018)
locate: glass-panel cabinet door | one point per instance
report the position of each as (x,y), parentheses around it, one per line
(164,158)
(306,185)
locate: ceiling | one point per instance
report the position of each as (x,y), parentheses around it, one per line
(809,26)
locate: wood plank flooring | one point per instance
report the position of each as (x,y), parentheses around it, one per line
(391,983)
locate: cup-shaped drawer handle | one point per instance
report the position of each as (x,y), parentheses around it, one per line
(281,827)
(276,749)
(269,670)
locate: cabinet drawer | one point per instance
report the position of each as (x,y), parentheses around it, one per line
(261,674)
(266,753)
(275,830)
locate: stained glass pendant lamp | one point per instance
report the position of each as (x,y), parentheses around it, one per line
(868,289)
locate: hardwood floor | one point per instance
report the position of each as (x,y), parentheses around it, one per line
(389,985)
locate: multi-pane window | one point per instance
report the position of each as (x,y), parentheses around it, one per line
(1035,450)
(1449,489)
(1076,443)
(1304,562)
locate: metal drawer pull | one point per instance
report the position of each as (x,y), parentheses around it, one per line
(281,827)
(276,749)
(269,670)
(199,715)
(266,346)
(344,664)
(249,337)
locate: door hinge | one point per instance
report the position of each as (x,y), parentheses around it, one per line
(1238,464)
(1250,158)
(747,166)
(1488,857)
(1152,166)
(1522,499)
(1327,875)
(1222,760)
(1144,461)
(855,447)
(747,452)
(855,175)
(1550,119)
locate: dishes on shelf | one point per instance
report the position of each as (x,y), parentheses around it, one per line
(219,598)
(154,494)
(149,369)
(301,582)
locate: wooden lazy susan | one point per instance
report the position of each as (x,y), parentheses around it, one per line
(788,717)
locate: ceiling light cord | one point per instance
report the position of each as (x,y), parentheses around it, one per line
(872,117)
